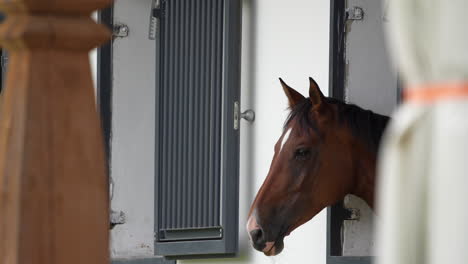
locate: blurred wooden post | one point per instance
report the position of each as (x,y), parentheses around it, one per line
(53,186)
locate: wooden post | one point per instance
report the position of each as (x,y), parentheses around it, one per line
(53,185)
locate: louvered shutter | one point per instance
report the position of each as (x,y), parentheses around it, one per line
(197,136)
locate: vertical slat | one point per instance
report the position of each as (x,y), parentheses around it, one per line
(219,105)
(185,99)
(202,112)
(198,118)
(216,88)
(183,107)
(217,114)
(162,118)
(211,155)
(165,120)
(172,113)
(172,121)
(178,112)
(192,105)
(170,88)
(207,95)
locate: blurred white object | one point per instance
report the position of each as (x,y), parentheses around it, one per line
(423,168)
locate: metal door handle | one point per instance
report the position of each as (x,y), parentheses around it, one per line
(248,115)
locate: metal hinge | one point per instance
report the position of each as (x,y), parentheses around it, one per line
(120,30)
(354,13)
(155,16)
(117,218)
(4,61)
(352,214)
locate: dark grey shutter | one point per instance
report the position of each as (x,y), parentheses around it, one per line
(197,140)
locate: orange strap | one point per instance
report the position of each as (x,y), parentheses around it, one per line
(429,93)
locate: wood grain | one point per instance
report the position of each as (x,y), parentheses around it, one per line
(53,184)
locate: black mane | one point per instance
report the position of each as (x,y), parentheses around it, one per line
(364,124)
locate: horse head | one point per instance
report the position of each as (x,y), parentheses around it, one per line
(317,161)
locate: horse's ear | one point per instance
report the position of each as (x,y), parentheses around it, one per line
(315,94)
(293,96)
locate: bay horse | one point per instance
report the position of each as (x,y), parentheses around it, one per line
(328,149)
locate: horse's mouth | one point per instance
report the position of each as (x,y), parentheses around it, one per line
(273,248)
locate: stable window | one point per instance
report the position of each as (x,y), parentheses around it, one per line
(197,131)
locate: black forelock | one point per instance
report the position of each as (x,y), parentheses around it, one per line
(364,124)
(301,114)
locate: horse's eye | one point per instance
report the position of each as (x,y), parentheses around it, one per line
(302,153)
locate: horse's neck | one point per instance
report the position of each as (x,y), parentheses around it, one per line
(366,159)
(365,175)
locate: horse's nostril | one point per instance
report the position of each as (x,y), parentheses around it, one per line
(256,235)
(258,239)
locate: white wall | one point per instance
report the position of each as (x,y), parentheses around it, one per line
(288,40)
(132,153)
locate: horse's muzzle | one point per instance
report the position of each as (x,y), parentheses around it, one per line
(257,236)
(258,240)
(256,233)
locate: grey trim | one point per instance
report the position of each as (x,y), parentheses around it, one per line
(104,83)
(200,247)
(349,260)
(153,260)
(191,234)
(232,77)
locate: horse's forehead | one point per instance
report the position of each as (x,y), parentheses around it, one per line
(293,130)
(285,137)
